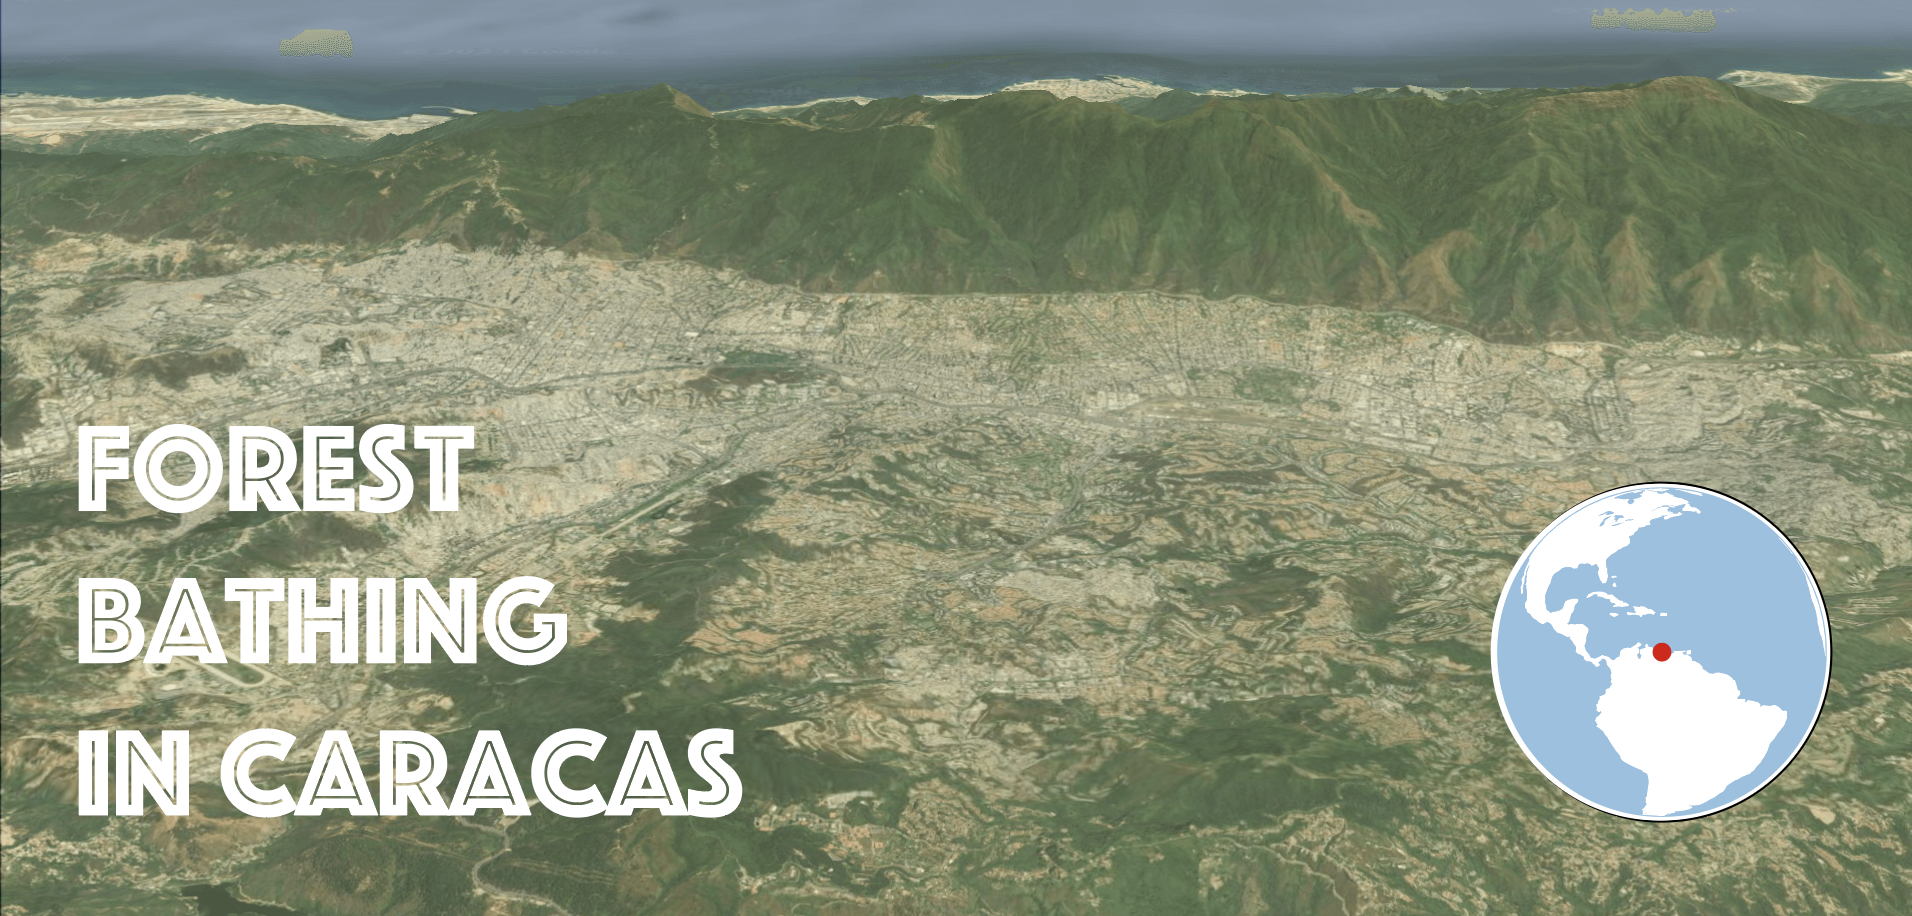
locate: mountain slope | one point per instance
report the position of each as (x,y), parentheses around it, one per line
(1875,101)
(1627,211)
(318,141)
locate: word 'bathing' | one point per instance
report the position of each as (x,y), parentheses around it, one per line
(111,631)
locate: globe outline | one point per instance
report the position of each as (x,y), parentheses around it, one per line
(1825,637)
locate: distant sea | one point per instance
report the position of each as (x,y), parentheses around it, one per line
(361,94)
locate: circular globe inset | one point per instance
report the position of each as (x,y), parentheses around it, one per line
(1661,652)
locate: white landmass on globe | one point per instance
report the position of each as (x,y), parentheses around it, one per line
(1685,727)
(1590,536)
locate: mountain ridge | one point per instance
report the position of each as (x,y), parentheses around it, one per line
(1626,211)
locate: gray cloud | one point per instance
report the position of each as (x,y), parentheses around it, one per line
(651,16)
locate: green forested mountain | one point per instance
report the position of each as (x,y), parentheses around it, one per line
(315,140)
(1620,212)
(1877,102)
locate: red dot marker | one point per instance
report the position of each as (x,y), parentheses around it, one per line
(1662,652)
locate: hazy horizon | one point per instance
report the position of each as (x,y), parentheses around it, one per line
(499,37)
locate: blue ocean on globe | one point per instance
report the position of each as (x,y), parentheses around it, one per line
(1610,722)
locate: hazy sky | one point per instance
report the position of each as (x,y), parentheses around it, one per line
(719,32)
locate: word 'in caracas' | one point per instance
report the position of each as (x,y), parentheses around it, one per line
(412,765)
(111,631)
(263,460)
